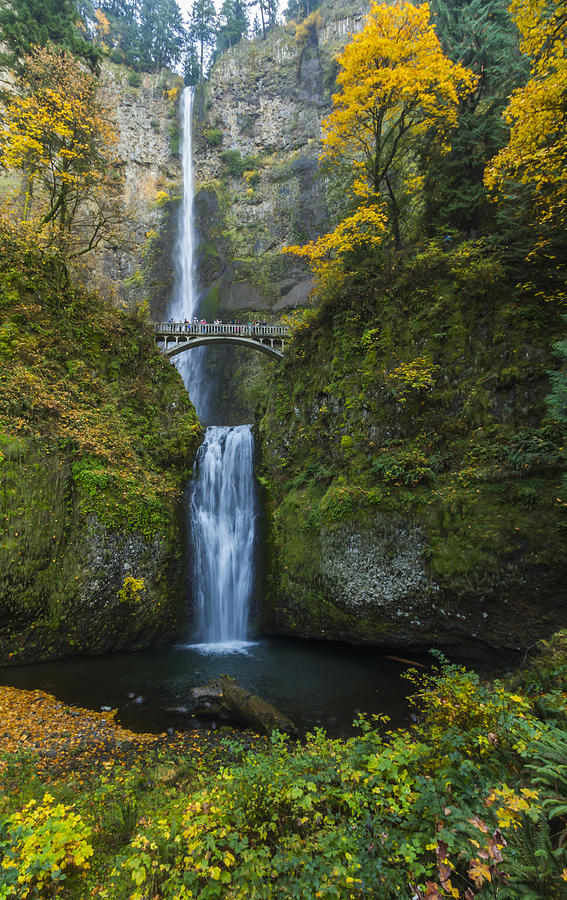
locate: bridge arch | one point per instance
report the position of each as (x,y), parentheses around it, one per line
(174,338)
(207,340)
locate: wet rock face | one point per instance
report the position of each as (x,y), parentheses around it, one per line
(145,126)
(372,586)
(111,614)
(383,569)
(121,591)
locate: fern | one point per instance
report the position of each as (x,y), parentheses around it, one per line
(550,776)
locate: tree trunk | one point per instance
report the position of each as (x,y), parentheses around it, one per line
(395,216)
(223,698)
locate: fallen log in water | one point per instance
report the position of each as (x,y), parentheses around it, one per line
(223,698)
(409,662)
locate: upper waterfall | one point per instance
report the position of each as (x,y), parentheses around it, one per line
(184,305)
(185,299)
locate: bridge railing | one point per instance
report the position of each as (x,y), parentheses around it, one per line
(280,331)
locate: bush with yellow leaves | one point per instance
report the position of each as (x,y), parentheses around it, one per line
(40,847)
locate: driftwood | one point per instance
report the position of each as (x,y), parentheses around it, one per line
(409,662)
(223,698)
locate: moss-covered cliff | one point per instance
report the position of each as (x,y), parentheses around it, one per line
(413,475)
(97,436)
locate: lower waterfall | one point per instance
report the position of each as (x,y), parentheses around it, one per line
(222,520)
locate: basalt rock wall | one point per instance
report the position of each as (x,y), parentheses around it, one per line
(134,263)
(259,181)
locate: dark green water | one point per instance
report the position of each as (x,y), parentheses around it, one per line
(315,684)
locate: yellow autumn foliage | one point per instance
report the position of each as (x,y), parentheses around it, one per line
(305,29)
(58,133)
(536,154)
(396,86)
(395,82)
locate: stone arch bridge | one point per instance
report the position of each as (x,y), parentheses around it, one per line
(176,337)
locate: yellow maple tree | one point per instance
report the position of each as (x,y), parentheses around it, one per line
(58,133)
(396,86)
(536,153)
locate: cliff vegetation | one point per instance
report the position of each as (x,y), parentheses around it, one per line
(98,435)
(415,471)
(415,475)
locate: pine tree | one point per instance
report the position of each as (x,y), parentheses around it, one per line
(233,24)
(25,24)
(203,29)
(161,34)
(123,38)
(300,9)
(191,68)
(268,10)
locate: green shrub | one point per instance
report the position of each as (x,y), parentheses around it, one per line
(237,164)
(445,809)
(174,135)
(213,136)
(407,467)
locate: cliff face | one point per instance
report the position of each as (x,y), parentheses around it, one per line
(135,261)
(97,436)
(260,184)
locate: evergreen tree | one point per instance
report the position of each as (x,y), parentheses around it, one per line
(86,14)
(191,68)
(25,24)
(123,38)
(161,34)
(268,10)
(203,29)
(300,9)
(233,24)
(480,35)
